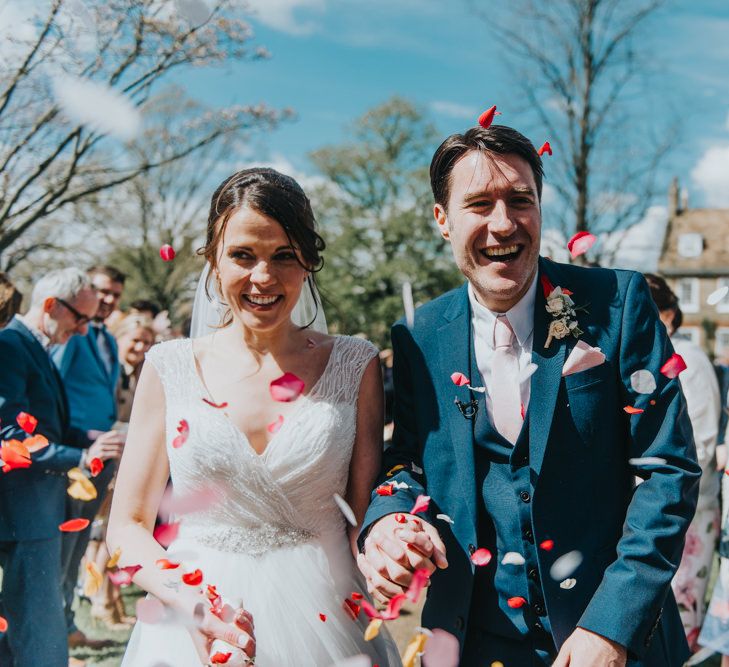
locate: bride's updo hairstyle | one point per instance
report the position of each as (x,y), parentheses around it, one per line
(276,196)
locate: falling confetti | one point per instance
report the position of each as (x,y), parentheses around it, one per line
(516,602)
(547,545)
(395,469)
(481,557)
(413,649)
(487,117)
(580,243)
(220,657)
(513,558)
(408,306)
(674,366)
(96,465)
(459,379)
(545,148)
(14,455)
(416,469)
(93,580)
(35,443)
(81,487)
(717,295)
(565,565)
(323,618)
(445,517)
(443,650)
(165,564)
(3,624)
(112,562)
(352,608)
(193,578)
(418,583)
(275,426)
(647,461)
(219,406)
(287,388)
(421,504)
(643,382)
(166,533)
(123,576)
(73,525)
(345,509)
(97,106)
(27,422)
(568,583)
(167,252)
(183,428)
(385,490)
(373,629)
(633,411)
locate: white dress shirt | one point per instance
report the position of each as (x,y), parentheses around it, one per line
(521,318)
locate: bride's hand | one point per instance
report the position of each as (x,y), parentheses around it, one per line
(239,633)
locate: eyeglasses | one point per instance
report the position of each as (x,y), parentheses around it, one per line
(81,319)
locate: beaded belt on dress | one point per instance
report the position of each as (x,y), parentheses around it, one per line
(252,540)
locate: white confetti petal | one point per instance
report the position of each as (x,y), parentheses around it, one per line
(568,583)
(97,106)
(513,558)
(424,631)
(417,469)
(445,517)
(648,461)
(345,509)
(407,302)
(480,390)
(717,295)
(196,12)
(400,485)
(442,650)
(565,565)
(528,371)
(643,382)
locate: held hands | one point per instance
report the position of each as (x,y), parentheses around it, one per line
(587,649)
(106,446)
(393,551)
(237,635)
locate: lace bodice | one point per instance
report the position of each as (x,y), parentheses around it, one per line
(283,496)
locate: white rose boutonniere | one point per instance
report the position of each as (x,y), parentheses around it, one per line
(561,307)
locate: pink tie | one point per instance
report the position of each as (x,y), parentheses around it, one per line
(505,393)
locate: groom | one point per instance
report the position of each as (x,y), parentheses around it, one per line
(529,452)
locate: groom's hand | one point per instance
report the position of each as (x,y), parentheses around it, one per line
(394,550)
(587,649)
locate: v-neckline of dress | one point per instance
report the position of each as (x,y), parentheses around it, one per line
(241,434)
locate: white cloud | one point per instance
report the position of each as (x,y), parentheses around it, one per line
(284,14)
(711,174)
(455,110)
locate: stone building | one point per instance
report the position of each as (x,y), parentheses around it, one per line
(695,261)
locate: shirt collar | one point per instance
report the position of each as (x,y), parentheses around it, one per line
(37,333)
(521,314)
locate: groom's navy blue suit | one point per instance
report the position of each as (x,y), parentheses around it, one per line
(568,479)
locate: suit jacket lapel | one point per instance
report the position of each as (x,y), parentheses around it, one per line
(454,342)
(548,376)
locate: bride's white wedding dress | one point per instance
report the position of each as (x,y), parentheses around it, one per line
(277,540)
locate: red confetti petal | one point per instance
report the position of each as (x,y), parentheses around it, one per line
(516,603)
(166,533)
(487,117)
(220,658)
(15,455)
(421,504)
(459,379)
(183,428)
(547,286)
(3,624)
(674,366)
(393,607)
(580,243)
(368,609)
(547,545)
(401,518)
(96,465)
(193,578)
(73,525)
(164,564)
(652,402)
(323,618)
(275,427)
(287,388)
(220,406)
(167,252)
(418,583)
(26,422)
(481,557)
(352,608)
(385,490)
(545,148)
(356,596)
(123,575)
(633,411)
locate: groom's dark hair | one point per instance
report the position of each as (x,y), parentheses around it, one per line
(498,139)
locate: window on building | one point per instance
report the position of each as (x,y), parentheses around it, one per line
(721,343)
(692,334)
(687,290)
(723,305)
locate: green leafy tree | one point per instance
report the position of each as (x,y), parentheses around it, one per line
(375,212)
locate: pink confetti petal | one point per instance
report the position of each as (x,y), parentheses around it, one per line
(287,388)
(166,533)
(421,504)
(167,252)
(674,366)
(459,379)
(580,243)
(643,382)
(481,557)
(123,575)
(183,428)
(442,650)
(150,610)
(717,295)
(419,581)
(345,509)
(275,426)
(393,607)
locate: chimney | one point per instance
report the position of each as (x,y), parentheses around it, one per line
(684,199)
(673,197)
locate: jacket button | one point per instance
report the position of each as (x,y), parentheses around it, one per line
(471,549)
(533,574)
(538,609)
(529,535)
(524,495)
(459,623)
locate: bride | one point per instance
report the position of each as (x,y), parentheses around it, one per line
(266,532)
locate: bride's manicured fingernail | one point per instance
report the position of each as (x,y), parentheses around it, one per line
(242,640)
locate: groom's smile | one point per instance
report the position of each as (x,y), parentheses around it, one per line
(493,223)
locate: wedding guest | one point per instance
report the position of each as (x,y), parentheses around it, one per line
(10,300)
(32,499)
(701,390)
(89,366)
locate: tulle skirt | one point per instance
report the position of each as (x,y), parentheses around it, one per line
(286,590)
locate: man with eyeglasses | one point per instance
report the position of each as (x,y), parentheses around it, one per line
(32,497)
(89,368)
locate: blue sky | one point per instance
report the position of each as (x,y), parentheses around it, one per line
(332,60)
